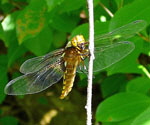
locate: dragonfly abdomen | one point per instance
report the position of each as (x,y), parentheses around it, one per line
(71,62)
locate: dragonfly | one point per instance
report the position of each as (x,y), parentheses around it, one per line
(39,73)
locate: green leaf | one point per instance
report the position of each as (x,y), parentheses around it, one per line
(8,25)
(1,32)
(3,76)
(143,118)
(146,48)
(4,1)
(138,10)
(121,3)
(81,29)
(59,38)
(31,20)
(8,120)
(53,3)
(64,22)
(14,52)
(3,81)
(129,64)
(100,28)
(110,123)
(121,106)
(139,85)
(112,84)
(70,5)
(40,44)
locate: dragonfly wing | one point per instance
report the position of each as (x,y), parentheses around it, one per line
(106,56)
(120,34)
(35,82)
(35,64)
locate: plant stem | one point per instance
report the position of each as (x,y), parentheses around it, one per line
(106,9)
(90,70)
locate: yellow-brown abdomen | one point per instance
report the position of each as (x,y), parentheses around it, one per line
(72,60)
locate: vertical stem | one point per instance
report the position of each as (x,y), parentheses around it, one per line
(90,70)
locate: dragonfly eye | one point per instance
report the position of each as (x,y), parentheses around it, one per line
(74,43)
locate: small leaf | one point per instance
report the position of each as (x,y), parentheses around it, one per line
(121,106)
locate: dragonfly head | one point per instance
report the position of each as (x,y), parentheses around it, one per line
(78,42)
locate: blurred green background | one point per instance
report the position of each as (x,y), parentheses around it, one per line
(121,93)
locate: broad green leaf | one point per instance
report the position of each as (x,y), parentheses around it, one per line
(129,64)
(31,20)
(8,120)
(139,85)
(70,5)
(112,84)
(81,29)
(14,52)
(121,106)
(53,3)
(137,10)
(143,118)
(121,3)
(64,22)
(100,28)
(59,39)
(124,122)
(40,44)
(109,123)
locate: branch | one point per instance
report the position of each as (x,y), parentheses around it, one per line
(106,9)
(90,70)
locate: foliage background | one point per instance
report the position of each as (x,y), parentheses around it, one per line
(29,28)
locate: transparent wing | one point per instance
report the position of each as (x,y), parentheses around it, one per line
(37,81)
(35,64)
(108,55)
(111,47)
(120,34)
